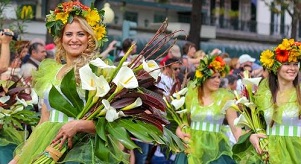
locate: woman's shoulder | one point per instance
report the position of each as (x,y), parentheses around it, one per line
(45,76)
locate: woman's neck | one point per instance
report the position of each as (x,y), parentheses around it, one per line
(284,85)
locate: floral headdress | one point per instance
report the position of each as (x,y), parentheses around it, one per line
(287,51)
(209,65)
(65,12)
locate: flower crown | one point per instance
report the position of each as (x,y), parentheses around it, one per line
(65,12)
(287,51)
(209,65)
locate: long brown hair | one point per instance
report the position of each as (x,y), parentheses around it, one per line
(274,87)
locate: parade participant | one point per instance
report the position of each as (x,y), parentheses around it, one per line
(204,101)
(279,97)
(76,44)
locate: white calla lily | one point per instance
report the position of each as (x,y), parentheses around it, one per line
(251,81)
(111,113)
(178,103)
(230,104)
(182,92)
(90,81)
(34,97)
(152,68)
(138,102)
(182,111)
(101,64)
(125,78)
(17,109)
(3,99)
(241,121)
(22,101)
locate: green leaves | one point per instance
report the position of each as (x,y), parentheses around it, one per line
(68,101)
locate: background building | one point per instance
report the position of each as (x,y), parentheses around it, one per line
(234,26)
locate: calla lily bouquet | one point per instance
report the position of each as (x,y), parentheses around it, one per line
(123,101)
(177,112)
(16,104)
(250,118)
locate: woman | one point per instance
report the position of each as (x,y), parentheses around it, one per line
(205,101)
(76,42)
(279,97)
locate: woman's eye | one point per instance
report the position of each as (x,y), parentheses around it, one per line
(68,34)
(81,34)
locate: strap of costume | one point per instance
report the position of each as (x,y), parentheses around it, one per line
(45,77)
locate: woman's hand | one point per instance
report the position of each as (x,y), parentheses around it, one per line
(66,133)
(254,139)
(181,134)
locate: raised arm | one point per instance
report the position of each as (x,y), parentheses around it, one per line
(5,52)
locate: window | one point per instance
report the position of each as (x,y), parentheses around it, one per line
(131,16)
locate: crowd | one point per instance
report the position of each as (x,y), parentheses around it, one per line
(211,79)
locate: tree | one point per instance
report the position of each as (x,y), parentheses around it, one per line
(195,23)
(292,7)
(3,5)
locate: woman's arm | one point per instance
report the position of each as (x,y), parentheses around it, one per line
(5,52)
(231,115)
(111,47)
(44,114)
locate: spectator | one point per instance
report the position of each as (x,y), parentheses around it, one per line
(188,59)
(126,44)
(37,53)
(247,60)
(232,81)
(173,52)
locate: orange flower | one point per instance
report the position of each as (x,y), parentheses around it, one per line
(220,59)
(282,55)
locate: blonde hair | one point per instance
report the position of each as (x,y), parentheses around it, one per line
(88,54)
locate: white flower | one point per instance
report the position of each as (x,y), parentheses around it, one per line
(178,103)
(101,64)
(182,92)
(152,68)
(34,97)
(182,111)
(241,121)
(138,102)
(251,81)
(111,113)
(22,101)
(4,99)
(125,78)
(91,82)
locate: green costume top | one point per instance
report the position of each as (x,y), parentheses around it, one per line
(208,143)
(284,135)
(44,133)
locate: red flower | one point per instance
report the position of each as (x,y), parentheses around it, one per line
(282,55)
(220,60)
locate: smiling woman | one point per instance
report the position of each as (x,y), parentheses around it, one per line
(91,108)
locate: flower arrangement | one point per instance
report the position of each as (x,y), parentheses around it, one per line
(177,111)
(287,51)
(250,118)
(209,65)
(122,100)
(65,12)
(16,104)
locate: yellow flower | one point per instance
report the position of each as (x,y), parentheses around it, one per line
(62,16)
(92,17)
(100,31)
(198,74)
(216,66)
(267,58)
(286,44)
(293,55)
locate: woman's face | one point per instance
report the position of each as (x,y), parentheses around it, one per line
(213,82)
(74,40)
(288,71)
(24,52)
